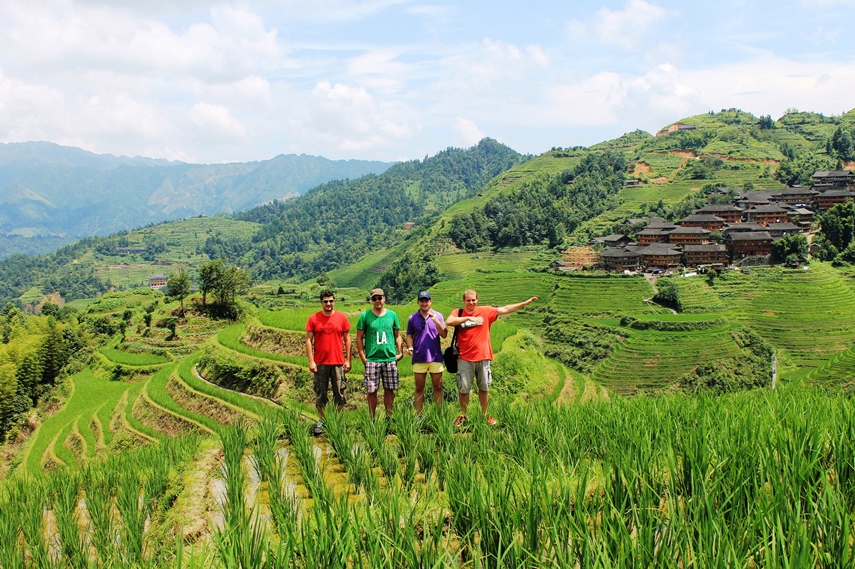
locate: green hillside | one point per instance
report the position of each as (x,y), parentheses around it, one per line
(182,439)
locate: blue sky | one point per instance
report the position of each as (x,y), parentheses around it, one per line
(399,79)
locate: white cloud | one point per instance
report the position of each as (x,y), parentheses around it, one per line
(625,28)
(335,10)
(216,123)
(350,118)
(57,40)
(467,132)
(826,3)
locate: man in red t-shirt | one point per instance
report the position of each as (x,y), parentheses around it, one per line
(328,350)
(476,352)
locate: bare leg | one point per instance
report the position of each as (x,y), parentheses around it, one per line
(420,390)
(436,380)
(464,402)
(372,403)
(388,400)
(320,411)
(482,397)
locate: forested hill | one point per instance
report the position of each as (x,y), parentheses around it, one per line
(338,222)
(50,194)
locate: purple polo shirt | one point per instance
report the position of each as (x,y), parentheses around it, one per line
(426,347)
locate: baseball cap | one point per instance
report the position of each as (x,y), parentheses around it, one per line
(378,292)
(424,295)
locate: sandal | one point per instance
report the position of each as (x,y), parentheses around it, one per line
(458,421)
(491,421)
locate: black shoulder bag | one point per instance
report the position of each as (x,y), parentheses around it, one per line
(449,356)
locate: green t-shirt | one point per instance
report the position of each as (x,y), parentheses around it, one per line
(379,339)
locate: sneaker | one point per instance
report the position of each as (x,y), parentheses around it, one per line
(459,420)
(319,428)
(490,421)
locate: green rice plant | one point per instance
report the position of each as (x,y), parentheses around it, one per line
(74,546)
(339,435)
(243,540)
(304,451)
(12,555)
(398,533)
(99,485)
(426,455)
(31,498)
(327,535)
(374,434)
(264,448)
(132,506)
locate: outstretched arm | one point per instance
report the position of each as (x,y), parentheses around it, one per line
(509,308)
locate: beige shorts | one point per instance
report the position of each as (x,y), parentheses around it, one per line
(469,373)
(428,367)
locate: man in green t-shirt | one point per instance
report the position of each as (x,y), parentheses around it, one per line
(379,345)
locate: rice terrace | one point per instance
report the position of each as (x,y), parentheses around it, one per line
(680,417)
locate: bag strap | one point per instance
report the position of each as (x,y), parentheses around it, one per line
(456,328)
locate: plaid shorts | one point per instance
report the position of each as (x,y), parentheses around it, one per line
(377,371)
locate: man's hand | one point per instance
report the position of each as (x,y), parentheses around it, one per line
(347,365)
(313,367)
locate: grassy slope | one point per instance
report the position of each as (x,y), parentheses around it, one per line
(505,277)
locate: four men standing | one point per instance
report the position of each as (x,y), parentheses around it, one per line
(380,347)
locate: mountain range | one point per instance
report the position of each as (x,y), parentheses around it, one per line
(56,194)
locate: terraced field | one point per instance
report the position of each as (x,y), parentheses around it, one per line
(605,295)
(81,428)
(652,361)
(458,265)
(696,296)
(809,316)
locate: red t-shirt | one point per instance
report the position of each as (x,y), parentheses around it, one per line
(474,343)
(329,337)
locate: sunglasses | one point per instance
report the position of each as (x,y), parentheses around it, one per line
(377,297)
(328,301)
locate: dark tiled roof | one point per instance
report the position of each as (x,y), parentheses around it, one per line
(701,218)
(620,252)
(797,191)
(842,193)
(749,236)
(711,248)
(661,249)
(689,231)
(782,226)
(770,208)
(747,226)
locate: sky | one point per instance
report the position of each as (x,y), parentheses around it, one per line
(211,82)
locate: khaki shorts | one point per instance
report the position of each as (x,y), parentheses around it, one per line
(428,367)
(469,373)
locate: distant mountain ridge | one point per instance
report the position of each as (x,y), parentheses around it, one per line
(48,190)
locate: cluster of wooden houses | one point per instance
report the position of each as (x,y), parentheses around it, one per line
(747,228)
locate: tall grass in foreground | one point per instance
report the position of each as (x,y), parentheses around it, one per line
(242,541)
(760,479)
(98,517)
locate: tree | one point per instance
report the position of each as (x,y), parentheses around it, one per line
(841,143)
(52,352)
(179,286)
(790,248)
(210,274)
(838,224)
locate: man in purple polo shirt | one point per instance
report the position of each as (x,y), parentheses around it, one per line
(424,330)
